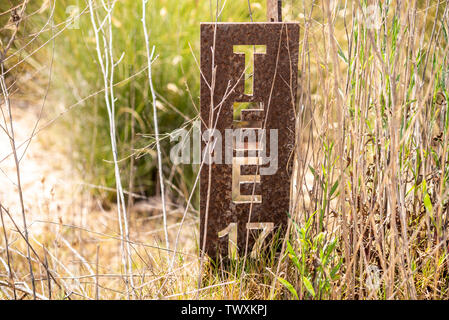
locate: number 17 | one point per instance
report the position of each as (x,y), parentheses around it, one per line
(231,232)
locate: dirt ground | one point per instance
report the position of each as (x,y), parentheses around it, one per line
(48,179)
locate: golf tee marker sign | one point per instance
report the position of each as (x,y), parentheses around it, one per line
(248,91)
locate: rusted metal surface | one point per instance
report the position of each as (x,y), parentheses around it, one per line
(274,10)
(275,87)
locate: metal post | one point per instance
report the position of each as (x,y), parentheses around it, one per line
(274,10)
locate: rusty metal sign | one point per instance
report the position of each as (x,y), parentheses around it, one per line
(248,92)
